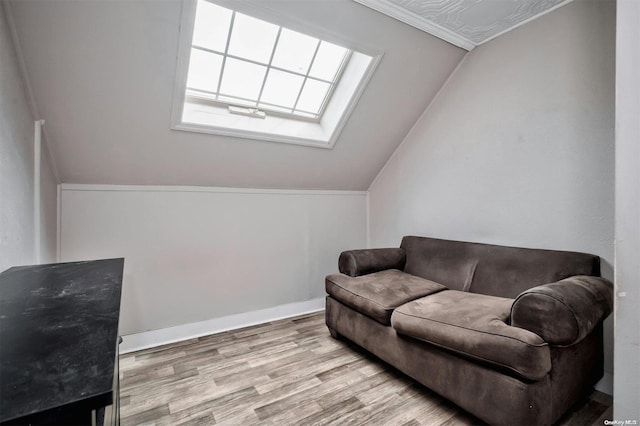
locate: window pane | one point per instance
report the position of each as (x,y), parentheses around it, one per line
(242,79)
(204,70)
(327,61)
(282,88)
(212,26)
(312,96)
(252,38)
(250,45)
(294,51)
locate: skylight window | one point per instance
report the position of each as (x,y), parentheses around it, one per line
(243,61)
(250,73)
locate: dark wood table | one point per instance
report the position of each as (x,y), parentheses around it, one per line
(59,341)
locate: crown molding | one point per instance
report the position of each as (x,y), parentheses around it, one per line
(418,22)
(526,21)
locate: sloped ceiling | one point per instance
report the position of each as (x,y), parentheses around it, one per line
(465,23)
(102,75)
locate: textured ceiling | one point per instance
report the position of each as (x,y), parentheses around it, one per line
(466,23)
(102,74)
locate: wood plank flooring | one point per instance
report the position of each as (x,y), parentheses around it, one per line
(287,372)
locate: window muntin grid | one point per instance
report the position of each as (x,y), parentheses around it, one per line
(240,60)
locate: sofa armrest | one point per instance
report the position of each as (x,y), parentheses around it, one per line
(361,262)
(564,312)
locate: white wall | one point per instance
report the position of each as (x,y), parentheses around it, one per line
(627,314)
(17,238)
(193,254)
(518,148)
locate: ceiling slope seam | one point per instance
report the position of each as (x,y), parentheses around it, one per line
(31,100)
(437,96)
(526,21)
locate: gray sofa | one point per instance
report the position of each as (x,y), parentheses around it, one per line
(512,335)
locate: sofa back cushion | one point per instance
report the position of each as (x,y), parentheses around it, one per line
(491,269)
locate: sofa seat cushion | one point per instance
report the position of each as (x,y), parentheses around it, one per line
(475,325)
(377,295)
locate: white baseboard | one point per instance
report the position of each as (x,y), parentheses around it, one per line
(605,384)
(163,336)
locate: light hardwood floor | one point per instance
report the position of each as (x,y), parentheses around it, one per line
(287,372)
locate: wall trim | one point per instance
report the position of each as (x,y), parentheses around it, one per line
(213,189)
(418,22)
(390,9)
(58,222)
(37,191)
(149,339)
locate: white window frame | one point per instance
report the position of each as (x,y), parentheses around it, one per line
(322,132)
(259,104)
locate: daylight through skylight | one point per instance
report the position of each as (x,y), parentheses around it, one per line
(243,61)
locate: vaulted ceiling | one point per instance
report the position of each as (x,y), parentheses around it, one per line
(102,76)
(102,72)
